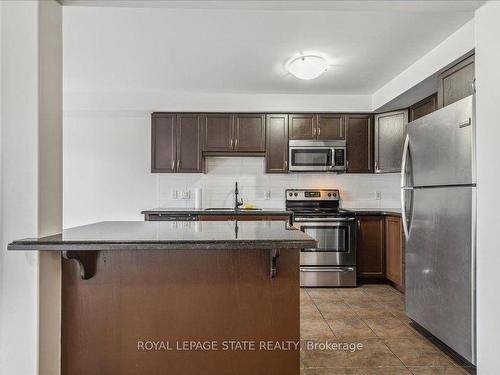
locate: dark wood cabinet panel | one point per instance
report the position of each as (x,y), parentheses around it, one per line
(370,255)
(250,132)
(456,83)
(423,107)
(163,142)
(331,127)
(277,143)
(218,132)
(359,138)
(189,158)
(390,133)
(394,250)
(302,126)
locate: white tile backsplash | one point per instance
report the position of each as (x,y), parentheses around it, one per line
(218,185)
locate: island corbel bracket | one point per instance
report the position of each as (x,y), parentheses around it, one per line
(87,260)
(273,258)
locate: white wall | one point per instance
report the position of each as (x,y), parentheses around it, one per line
(487,31)
(31,184)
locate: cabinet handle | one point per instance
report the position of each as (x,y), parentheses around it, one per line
(178,164)
(236,143)
(231,143)
(286,164)
(347,164)
(314,132)
(376,165)
(319,132)
(173,163)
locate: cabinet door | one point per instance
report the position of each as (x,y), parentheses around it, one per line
(163,142)
(370,255)
(277,143)
(302,126)
(390,132)
(456,83)
(394,250)
(189,158)
(218,132)
(216,217)
(247,217)
(250,132)
(331,127)
(359,138)
(423,107)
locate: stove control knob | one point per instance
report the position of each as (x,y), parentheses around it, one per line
(290,194)
(296,194)
(329,194)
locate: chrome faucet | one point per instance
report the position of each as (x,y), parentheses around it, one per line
(237,203)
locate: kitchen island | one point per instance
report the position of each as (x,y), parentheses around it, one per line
(179,297)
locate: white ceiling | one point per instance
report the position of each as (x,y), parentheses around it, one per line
(241,47)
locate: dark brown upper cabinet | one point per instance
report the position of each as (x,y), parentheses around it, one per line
(327,127)
(176,143)
(302,126)
(359,138)
(277,143)
(330,127)
(423,107)
(163,142)
(250,133)
(390,133)
(218,131)
(456,83)
(243,133)
(189,158)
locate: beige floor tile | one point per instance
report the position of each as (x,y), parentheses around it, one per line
(369,309)
(325,294)
(315,329)
(416,351)
(334,310)
(384,371)
(351,328)
(451,370)
(331,371)
(389,327)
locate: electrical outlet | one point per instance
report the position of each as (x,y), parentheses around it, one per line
(186,194)
(175,194)
(267,195)
(378,195)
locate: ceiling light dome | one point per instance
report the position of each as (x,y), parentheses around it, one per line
(307,66)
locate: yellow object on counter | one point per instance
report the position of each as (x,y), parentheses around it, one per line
(248,205)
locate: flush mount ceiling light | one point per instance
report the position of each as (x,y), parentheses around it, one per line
(307,66)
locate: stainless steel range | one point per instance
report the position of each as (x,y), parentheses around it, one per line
(317,213)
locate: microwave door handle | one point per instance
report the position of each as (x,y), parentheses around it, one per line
(332,156)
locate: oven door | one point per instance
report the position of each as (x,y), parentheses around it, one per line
(336,243)
(311,158)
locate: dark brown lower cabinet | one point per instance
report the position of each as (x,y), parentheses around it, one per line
(245,217)
(359,138)
(370,255)
(394,250)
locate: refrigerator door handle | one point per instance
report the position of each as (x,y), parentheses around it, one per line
(404,218)
(404,160)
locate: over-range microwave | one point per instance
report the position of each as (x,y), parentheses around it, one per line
(315,156)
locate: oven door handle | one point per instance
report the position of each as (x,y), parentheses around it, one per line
(316,220)
(326,269)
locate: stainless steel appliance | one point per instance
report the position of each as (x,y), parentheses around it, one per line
(438,199)
(317,213)
(312,156)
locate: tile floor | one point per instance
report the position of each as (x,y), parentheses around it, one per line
(371,315)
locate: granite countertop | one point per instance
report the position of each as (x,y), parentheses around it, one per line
(221,211)
(160,235)
(376,211)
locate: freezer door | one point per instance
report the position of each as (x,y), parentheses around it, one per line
(440,263)
(440,148)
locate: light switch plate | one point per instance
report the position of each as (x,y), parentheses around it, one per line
(378,195)
(267,195)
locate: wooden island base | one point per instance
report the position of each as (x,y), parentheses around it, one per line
(141,299)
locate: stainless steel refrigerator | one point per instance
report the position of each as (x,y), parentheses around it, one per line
(438,198)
